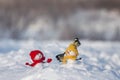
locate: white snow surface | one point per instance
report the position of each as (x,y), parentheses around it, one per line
(100,61)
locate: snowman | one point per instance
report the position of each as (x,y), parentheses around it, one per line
(37,57)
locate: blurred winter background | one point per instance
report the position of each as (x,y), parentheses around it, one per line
(60,19)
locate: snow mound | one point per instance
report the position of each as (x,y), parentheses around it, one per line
(100,61)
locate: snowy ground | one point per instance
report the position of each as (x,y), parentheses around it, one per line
(101,61)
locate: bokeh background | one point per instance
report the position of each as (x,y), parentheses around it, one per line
(60,19)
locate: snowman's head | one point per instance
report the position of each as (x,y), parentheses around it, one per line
(38,56)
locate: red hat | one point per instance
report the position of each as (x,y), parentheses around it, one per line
(34,53)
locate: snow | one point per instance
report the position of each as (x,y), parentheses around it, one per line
(100,61)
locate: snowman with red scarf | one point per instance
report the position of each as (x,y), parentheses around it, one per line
(37,57)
